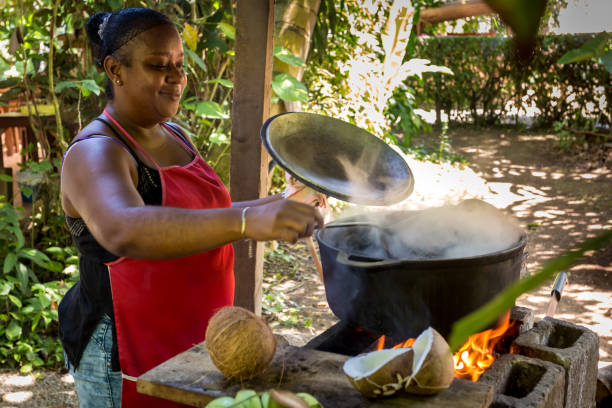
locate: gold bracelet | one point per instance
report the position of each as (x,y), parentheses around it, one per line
(243,217)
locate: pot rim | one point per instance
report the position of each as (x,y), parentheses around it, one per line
(437,263)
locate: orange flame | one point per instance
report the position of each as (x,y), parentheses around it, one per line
(381,343)
(475,356)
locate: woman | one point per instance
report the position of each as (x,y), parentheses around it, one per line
(152,221)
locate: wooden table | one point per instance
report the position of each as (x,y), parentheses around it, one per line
(192,379)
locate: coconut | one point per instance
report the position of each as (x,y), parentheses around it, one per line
(433,367)
(380,373)
(240,343)
(425,368)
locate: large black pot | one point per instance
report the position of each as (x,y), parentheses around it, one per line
(402,297)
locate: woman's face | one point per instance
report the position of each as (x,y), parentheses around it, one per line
(154,81)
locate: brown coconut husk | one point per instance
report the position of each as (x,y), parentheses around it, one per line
(240,343)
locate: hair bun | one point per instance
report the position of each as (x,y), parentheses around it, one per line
(93,27)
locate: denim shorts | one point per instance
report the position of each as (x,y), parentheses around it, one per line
(96,384)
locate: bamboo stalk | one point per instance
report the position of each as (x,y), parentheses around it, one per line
(58,117)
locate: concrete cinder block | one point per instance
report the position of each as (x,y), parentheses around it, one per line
(523,382)
(573,347)
(603,396)
(524,316)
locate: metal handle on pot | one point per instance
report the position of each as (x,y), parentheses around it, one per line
(345,259)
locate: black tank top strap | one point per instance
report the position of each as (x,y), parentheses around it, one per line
(174,128)
(118,137)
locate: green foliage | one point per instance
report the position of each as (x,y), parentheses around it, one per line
(288,88)
(276,304)
(208,33)
(28,303)
(287,57)
(85,86)
(437,149)
(39,264)
(487,81)
(598,48)
(364,67)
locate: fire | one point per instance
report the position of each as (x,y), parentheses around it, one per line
(475,356)
(381,343)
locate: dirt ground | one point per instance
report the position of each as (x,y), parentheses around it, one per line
(560,199)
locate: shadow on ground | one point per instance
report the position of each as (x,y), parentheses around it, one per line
(562,199)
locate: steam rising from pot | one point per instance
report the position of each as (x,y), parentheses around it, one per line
(470,228)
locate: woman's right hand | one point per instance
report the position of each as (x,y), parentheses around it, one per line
(286,220)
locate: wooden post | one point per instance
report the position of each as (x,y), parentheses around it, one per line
(249,160)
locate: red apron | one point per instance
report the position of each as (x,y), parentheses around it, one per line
(162,307)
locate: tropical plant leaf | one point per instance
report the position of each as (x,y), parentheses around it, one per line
(27,309)
(91,85)
(190,36)
(39,257)
(66,84)
(9,262)
(210,109)
(228,30)
(22,275)
(15,300)
(5,288)
(55,251)
(288,57)
(576,55)
(19,236)
(225,82)
(597,45)
(487,314)
(85,86)
(13,331)
(196,58)
(606,59)
(288,88)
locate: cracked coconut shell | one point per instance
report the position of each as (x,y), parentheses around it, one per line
(433,366)
(425,368)
(380,373)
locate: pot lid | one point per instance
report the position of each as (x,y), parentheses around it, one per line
(337,158)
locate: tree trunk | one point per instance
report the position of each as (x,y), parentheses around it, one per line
(294,22)
(455,10)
